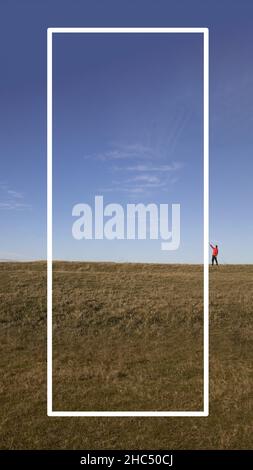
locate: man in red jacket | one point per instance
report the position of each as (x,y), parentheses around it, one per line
(215,254)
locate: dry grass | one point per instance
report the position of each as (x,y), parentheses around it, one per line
(125,337)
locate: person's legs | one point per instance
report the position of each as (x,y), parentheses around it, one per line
(213,259)
(216,260)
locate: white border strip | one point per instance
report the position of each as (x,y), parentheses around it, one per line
(49,223)
(50,411)
(206,220)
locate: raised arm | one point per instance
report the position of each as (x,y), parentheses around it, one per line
(211,246)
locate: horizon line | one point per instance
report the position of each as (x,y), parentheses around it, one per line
(44,260)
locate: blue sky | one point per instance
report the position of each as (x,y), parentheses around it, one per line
(127,124)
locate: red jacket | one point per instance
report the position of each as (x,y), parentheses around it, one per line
(215,250)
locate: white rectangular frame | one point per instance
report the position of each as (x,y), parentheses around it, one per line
(50,32)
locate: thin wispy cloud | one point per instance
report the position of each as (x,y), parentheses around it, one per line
(15,194)
(143,184)
(123,152)
(174,166)
(10,199)
(144,179)
(177,125)
(14,206)
(140,169)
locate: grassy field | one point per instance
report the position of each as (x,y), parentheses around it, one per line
(125,337)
